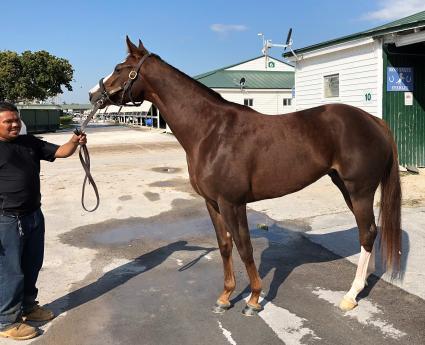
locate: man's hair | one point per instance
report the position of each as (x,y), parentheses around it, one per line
(6,106)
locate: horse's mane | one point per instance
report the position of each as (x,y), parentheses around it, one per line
(206,89)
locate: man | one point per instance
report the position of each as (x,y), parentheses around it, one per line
(22,222)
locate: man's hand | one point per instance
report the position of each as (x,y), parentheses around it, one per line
(69,148)
(79,139)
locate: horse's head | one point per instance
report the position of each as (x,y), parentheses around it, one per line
(125,83)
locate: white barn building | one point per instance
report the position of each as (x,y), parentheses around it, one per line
(263,83)
(381,70)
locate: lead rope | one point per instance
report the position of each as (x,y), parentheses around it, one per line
(84,152)
(85,162)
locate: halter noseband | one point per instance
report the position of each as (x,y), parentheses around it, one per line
(132,76)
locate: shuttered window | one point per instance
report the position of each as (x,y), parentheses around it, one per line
(287,101)
(248,101)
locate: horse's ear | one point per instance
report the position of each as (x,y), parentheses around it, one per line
(141,46)
(132,49)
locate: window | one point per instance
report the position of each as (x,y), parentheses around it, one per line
(331,85)
(248,101)
(287,101)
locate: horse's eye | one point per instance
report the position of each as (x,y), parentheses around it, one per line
(117,69)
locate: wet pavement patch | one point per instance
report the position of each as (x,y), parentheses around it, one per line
(166,170)
(179,184)
(187,219)
(152,196)
(169,250)
(125,197)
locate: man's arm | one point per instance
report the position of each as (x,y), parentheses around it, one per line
(69,148)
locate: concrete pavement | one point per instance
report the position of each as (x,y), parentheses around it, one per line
(144,268)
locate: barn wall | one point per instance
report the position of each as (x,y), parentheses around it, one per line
(360,77)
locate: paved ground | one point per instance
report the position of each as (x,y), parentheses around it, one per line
(145,269)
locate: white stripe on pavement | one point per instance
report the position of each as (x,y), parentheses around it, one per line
(366,313)
(227,334)
(287,326)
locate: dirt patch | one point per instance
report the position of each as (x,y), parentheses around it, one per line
(413,202)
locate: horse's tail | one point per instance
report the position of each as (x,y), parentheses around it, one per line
(390,215)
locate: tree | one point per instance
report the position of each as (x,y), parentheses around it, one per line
(33,75)
(10,72)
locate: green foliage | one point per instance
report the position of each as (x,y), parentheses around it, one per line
(33,75)
(65,120)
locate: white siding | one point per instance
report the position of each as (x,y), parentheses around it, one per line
(359,69)
(264,101)
(260,65)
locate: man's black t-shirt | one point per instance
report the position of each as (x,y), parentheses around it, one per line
(20,173)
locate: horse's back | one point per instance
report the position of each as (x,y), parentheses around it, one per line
(306,145)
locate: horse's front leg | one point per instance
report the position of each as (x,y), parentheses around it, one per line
(234,217)
(225,244)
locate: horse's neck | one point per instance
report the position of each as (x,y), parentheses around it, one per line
(185,106)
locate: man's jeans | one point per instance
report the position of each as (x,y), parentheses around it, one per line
(21,258)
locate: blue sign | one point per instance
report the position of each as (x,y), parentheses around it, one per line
(399,78)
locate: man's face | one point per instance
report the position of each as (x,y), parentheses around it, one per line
(10,125)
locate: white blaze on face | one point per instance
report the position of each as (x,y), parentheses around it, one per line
(95,88)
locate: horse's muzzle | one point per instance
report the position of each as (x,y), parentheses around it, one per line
(97,98)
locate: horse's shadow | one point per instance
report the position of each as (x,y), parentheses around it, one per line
(287,249)
(122,274)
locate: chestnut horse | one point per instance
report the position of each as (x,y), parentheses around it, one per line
(236,155)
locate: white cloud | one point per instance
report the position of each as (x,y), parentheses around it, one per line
(395,9)
(225,28)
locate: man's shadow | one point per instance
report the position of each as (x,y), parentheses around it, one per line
(122,274)
(281,258)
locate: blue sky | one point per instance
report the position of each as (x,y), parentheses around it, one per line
(194,36)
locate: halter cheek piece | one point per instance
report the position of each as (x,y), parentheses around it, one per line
(132,76)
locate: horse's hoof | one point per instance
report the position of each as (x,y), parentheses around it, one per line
(221,308)
(347,304)
(250,310)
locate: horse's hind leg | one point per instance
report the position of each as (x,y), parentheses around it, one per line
(363,211)
(225,244)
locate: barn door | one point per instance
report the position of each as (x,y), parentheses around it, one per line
(404,100)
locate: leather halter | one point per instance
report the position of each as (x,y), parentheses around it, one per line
(132,76)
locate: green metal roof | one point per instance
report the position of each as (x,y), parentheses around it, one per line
(225,79)
(415,20)
(38,106)
(55,106)
(237,64)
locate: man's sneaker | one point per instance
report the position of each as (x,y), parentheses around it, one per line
(38,314)
(19,331)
